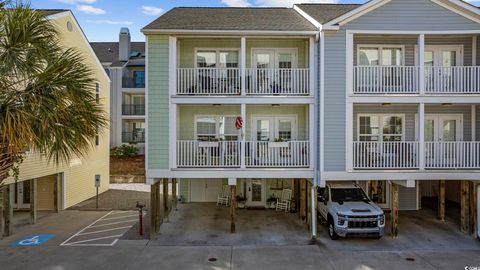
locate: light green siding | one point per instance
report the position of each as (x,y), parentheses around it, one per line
(188,112)
(158,107)
(186,48)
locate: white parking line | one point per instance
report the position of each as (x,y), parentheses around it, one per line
(98,234)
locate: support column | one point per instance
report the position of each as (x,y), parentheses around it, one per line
(472,187)
(394,200)
(57,187)
(474,122)
(421,135)
(243,65)
(174,193)
(349,136)
(311,135)
(165,200)
(314,211)
(154,209)
(243,114)
(33,201)
(421,63)
(464,207)
(232,182)
(303,199)
(8,209)
(441,200)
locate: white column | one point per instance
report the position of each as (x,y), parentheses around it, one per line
(421,63)
(321,104)
(421,135)
(349,136)
(474,50)
(243,63)
(173,134)
(311,134)
(474,123)
(243,112)
(311,65)
(349,64)
(314,210)
(172,65)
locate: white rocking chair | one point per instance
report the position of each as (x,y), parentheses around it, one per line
(224,197)
(283,204)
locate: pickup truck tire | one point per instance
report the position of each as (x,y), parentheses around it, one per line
(331,230)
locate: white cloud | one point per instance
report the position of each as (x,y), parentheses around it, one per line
(90,9)
(110,22)
(149,10)
(72,2)
(289,3)
(236,3)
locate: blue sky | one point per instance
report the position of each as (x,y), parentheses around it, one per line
(102,19)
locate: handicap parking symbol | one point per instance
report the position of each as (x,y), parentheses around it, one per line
(33,240)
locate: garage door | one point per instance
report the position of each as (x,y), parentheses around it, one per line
(205,190)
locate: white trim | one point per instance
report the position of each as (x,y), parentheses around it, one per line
(294,100)
(217,54)
(381,116)
(414,32)
(228,32)
(474,123)
(459,12)
(232,173)
(380,48)
(405,99)
(311,66)
(243,114)
(402,175)
(474,50)
(421,135)
(421,63)
(306,16)
(311,135)
(243,64)
(349,63)
(322,102)
(146,104)
(349,136)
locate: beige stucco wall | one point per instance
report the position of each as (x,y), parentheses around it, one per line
(79,173)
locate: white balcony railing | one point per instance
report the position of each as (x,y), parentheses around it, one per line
(452,155)
(208,81)
(227,81)
(385,155)
(386,79)
(405,80)
(208,154)
(277,154)
(277,81)
(452,80)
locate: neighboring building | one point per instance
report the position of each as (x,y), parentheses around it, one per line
(124,61)
(56,187)
(384,93)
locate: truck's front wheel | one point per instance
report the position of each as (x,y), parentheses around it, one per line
(331,230)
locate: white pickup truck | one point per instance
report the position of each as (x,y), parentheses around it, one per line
(349,212)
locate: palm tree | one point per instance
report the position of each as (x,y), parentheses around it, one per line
(47,93)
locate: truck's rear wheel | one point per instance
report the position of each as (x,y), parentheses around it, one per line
(331,230)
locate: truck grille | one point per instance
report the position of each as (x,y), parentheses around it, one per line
(362,224)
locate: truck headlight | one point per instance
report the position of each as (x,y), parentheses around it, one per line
(341,219)
(381,220)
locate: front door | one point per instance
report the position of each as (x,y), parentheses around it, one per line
(274,128)
(22,195)
(256,192)
(442,128)
(273,66)
(442,57)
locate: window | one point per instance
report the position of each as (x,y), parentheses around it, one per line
(213,128)
(387,128)
(139,78)
(221,58)
(380,55)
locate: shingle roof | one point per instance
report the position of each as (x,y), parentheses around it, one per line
(49,12)
(107,52)
(324,13)
(231,19)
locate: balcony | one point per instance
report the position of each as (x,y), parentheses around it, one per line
(133,82)
(406,80)
(133,137)
(133,109)
(406,155)
(228,154)
(258,81)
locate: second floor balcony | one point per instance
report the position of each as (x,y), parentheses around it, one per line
(133,109)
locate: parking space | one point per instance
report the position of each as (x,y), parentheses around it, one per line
(104,231)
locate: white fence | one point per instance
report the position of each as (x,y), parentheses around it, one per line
(454,155)
(208,154)
(208,81)
(277,154)
(277,81)
(385,155)
(452,80)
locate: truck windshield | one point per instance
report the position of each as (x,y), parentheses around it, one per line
(348,195)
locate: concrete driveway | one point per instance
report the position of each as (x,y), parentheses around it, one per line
(196,224)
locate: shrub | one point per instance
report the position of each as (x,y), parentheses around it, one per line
(124,151)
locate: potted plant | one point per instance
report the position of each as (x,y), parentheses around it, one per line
(272,202)
(241,201)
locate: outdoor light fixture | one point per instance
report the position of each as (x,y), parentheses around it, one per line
(217,105)
(275,105)
(386,104)
(447,104)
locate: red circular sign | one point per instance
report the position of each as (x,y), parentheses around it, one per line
(239,122)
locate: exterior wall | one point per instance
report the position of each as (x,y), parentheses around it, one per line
(158,102)
(410,112)
(186,126)
(412,15)
(186,48)
(79,173)
(45,192)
